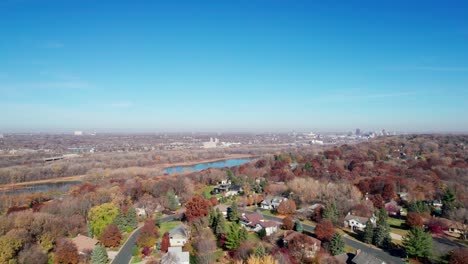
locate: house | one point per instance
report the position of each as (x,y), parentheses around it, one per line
(179,235)
(362,257)
(358,222)
(272,203)
(141,212)
(233,190)
(270,227)
(222,208)
(175,255)
(255,222)
(84,244)
(393,208)
(403,196)
(312,249)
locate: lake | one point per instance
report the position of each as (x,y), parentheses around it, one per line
(42,187)
(203,166)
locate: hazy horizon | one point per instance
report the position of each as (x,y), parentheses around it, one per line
(239,66)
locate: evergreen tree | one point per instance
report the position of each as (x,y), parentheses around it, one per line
(212,217)
(331,213)
(131,218)
(448,201)
(89,230)
(298,227)
(381,236)
(243,234)
(337,245)
(220,227)
(172,200)
(232,238)
(368,233)
(120,221)
(262,233)
(99,255)
(418,243)
(234,213)
(260,251)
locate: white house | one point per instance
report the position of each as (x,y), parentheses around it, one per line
(179,235)
(272,203)
(175,255)
(357,222)
(270,227)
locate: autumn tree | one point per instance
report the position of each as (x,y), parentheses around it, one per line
(325,230)
(459,256)
(66,252)
(111,236)
(388,192)
(101,216)
(32,255)
(287,207)
(148,235)
(204,246)
(418,243)
(9,246)
(302,247)
(197,207)
(99,255)
(288,223)
(414,220)
(165,242)
(261,260)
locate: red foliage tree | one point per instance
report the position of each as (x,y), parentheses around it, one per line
(148,235)
(459,256)
(165,243)
(197,207)
(146,251)
(111,236)
(414,219)
(66,252)
(378,201)
(287,207)
(388,192)
(301,247)
(288,223)
(325,230)
(214,201)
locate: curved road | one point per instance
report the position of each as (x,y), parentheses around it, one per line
(125,254)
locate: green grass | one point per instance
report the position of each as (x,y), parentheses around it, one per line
(136,259)
(253,237)
(165,227)
(206,191)
(397,226)
(349,249)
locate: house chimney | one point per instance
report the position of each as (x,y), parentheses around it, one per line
(358,251)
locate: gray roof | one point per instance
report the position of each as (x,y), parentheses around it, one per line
(360,219)
(180,230)
(175,255)
(364,258)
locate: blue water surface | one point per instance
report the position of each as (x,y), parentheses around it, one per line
(204,166)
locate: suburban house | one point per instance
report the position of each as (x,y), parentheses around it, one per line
(179,235)
(393,208)
(358,222)
(227,188)
(175,255)
(255,222)
(362,257)
(141,212)
(84,244)
(233,190)
(222,208)
(312,249)
(271,203)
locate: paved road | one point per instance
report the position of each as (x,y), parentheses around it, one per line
(125,254)
(385,256)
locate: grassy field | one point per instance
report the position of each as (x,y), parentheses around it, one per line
(165,227)
(397,226)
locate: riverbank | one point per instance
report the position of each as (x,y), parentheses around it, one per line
(14,186)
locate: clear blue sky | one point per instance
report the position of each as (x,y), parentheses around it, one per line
(141,66)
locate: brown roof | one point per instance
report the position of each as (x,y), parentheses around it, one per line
(292,234)
(253,219)
(84,243)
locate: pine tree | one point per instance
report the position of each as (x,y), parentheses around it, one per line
(232,239)
(368,233)
(337,245)
(381,236)
(220,227)
(298,227)
(243,234)
(260,251)
(212,217)
(120,221)
(448,201)
(131,218)
(234,212)
(99,255)
(418,243)
(331,213)
(172,200)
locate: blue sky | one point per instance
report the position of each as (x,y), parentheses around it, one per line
(151,66)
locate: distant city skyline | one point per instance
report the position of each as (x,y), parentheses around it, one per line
(233,66)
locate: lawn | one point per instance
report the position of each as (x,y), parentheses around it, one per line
(206,191)
(165,227)
(397,226)
(349,249)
